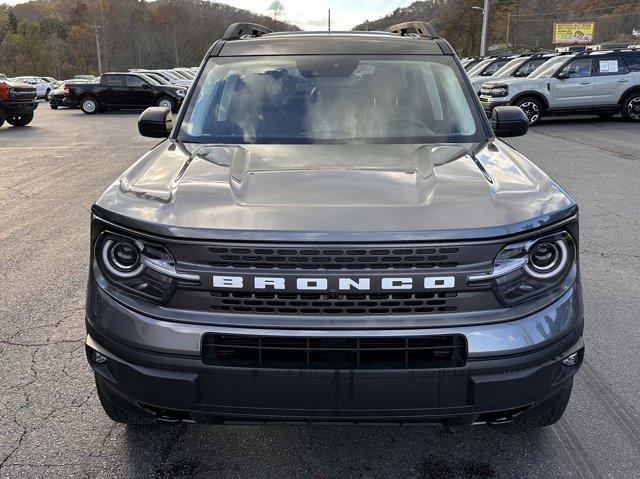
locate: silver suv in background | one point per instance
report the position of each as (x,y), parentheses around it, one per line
(519,67)
(598,82)
(489,66)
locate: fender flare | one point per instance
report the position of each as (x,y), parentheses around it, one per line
(532,93)
(628,91)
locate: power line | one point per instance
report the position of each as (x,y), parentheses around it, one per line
(606,15)
(574,13)
(383,6)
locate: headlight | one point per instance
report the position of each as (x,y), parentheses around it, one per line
(139,268)
(525,270)
(500,91)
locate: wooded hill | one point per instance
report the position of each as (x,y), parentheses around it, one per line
(529,22)
(57,38)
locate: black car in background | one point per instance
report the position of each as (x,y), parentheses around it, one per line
(128,90)
(59,96)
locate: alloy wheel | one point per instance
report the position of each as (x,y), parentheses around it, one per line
(633,108)
(531,110)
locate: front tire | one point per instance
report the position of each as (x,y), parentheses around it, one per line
(631,107)
(3,116)
(89,105)
(166,102)
(532,107)
(119,411)
(53,106)
(20,120)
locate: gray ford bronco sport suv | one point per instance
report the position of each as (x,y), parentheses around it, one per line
(332,232)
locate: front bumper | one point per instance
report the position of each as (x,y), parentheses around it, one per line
(19,107)
(512,368)
(488,104)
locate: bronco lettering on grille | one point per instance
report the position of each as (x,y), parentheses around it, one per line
(322,284)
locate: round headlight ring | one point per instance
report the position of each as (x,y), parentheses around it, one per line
(557,263)
(122,258)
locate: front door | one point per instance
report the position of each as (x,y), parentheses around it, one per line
(114,93)
(139,92)
(573,86)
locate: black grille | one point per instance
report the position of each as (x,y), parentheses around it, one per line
(333,258)
(334,353)
(334,304)
(22,92)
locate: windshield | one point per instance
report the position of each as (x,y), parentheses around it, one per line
(187,74)
(331,99)
(491,69)
(149,79)
(478,67)
(158,78)
(172,75)
(549,67)
(510,67)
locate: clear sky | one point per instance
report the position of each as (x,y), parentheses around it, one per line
(312,14)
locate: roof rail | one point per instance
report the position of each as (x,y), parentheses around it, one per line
(237,31)
(415,29)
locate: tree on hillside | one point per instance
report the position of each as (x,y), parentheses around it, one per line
(132,33)
(277,8)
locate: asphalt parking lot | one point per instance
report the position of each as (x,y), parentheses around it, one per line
(51,422)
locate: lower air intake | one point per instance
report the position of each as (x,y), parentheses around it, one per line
(284,352)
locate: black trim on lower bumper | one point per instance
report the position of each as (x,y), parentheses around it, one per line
(196,391)
(19,106)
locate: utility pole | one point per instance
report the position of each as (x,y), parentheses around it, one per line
(96,27)
(329,21)
(508,28)
(485,25)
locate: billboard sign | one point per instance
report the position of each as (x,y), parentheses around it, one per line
(573,33)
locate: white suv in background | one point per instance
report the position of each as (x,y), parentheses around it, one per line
(519,67)
(599,82)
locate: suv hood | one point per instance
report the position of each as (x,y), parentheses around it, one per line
(516,81)
(334,192)
(18,84)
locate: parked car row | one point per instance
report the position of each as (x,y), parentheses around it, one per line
(123,90)
(134,89)
(595,80)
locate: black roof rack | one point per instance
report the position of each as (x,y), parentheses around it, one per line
(237,31)
(603,52)
(415,29)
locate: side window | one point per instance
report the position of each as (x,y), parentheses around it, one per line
(633,61)
(578,68)
(611,66)
(133,81)
(114,81)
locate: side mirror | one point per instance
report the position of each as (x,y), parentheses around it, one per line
(155,122)
(563,76)
(509,121)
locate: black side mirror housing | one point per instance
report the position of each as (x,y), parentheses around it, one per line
(155,122)
(509,121)
(563,76)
